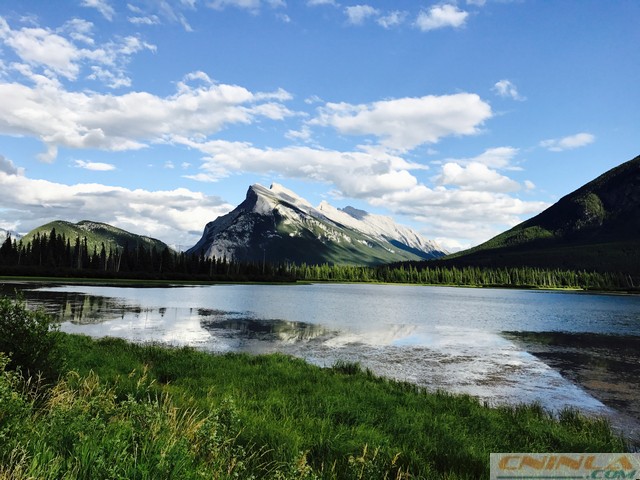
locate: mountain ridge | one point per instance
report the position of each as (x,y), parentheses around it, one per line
(597,226)
(276,224)
(96,233)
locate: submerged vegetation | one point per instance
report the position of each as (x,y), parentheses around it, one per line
(121,410)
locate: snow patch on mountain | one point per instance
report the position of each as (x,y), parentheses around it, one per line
(270,219)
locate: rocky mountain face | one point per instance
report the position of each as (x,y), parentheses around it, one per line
(596,227)
(276,224)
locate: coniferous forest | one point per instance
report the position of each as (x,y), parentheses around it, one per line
(58,256)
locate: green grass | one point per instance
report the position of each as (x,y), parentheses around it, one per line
(144,411)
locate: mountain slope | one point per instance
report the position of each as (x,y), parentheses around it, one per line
(96,234)
(278,225)
(596,227)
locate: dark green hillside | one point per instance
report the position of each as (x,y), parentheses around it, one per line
(596,227)
(96,234)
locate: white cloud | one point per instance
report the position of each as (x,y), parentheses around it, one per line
(46,53)
(356,174)
(392,19)
(477,177)
(469,216)
(568,143)
(313,99)
(441,16)
(314,3)
(470,202)
(95,166)
(357,14)
(251,5)
(405,123)
(8,167)
(60,118)
(39,46)
(506,89)
(304,134)
(477,3)
(498,157)
(146,20)
(529,185)
(79,30)
(174,216)
(105,9)
(153,13)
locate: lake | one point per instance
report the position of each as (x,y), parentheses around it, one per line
(503,346)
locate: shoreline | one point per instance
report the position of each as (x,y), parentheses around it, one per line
(605,366)
(144,283)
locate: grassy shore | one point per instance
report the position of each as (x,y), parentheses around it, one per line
(148,412)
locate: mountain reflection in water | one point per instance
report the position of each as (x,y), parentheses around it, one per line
(259,329)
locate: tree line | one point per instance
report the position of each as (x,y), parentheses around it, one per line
(422,273)
(54,254)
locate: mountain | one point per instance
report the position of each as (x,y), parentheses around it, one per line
(96,234)
(275,225)
(596,227)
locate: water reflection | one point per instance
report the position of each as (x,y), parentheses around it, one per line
(226,323)
(607,366)
(439,338)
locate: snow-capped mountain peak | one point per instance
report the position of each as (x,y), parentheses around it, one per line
(279,225)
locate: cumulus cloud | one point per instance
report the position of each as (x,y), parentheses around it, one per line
(405,123)
(476,176)
(468,215)
(469,201)
(498,157)
(568,143)
(304,134)
(357,14)
(506,89)
(105,9)
(174,216)
(60,118)
(441,16)
(94,166)
(8,167)
(45,53)
(392,19)
(356,174)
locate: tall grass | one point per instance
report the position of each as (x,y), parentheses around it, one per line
(148,412)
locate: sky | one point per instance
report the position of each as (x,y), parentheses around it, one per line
(459,118)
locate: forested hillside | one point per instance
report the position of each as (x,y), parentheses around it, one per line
(56,255)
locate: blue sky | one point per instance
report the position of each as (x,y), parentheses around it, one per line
(458,118)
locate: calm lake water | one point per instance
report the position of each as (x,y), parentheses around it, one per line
(502,346)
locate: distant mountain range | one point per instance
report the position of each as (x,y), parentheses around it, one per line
(96,234)
(596,227)
(276,224)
